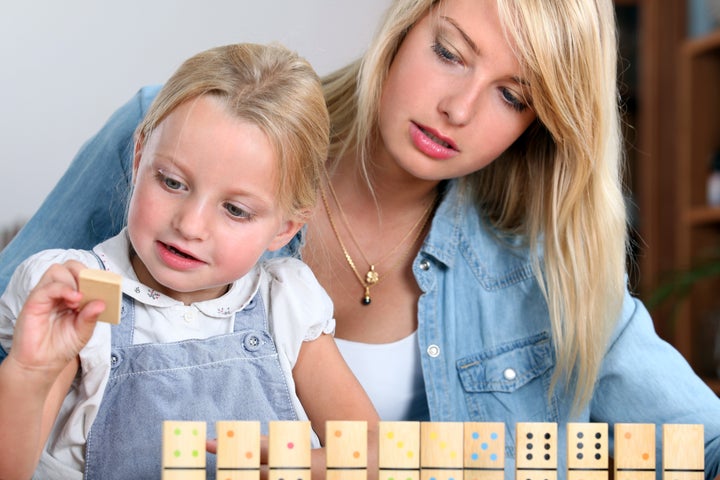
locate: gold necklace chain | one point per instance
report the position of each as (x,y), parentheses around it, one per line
(346,223)
(372,277)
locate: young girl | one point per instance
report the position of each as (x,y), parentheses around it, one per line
(226,166)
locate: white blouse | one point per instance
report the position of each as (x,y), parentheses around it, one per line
(298,310)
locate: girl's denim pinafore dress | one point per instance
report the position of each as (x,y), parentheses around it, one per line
(236,376)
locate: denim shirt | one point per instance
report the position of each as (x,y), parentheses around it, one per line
(483,326)
(487,354)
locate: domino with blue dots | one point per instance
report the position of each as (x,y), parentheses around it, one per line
(484,450)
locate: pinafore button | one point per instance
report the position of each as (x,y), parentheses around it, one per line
(252,342)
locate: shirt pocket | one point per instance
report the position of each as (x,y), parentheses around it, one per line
(510,382)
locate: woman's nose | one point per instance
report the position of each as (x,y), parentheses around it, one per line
(461,103)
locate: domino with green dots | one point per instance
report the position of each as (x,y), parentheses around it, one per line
(183,450)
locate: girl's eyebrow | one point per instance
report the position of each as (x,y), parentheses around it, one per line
(464,35)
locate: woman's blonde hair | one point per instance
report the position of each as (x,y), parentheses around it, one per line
(270,87)
(559,185)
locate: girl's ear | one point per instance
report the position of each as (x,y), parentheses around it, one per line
(137,154)
(286,232)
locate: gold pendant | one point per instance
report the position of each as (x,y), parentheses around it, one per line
(372,277)
(366,298)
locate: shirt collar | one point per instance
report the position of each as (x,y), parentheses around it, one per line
(460,229)
(114,254)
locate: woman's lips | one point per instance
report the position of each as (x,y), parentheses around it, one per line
(431,143)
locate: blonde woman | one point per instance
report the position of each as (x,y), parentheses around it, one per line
(471,230)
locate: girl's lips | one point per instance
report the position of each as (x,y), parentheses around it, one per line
(431,143)
(176,258)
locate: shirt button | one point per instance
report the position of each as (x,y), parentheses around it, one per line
(433,351)
(188,317)
(424,265)
(509,374)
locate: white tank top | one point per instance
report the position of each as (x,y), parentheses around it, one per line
(391,375)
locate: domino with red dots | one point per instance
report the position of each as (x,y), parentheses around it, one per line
(441,450)
(484,451)
(238,450)
(183,450)
(683,454)
(587,451)
(346,450)
(536,451)
(289,450)
(399,450)
(634,457)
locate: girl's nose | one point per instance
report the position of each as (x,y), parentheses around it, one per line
(191,219)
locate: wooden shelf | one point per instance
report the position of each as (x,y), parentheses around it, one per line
(697,233)
(701,45)
(699,216)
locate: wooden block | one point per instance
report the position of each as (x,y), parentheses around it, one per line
(346,450)
(634,456)
(183,450)
(289,450)
(536,450)
(484,451)
(238,450)
(441,450)
(587,451)
(102,285)
(399,450)
(683,452)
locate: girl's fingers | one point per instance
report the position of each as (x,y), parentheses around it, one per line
(211,445)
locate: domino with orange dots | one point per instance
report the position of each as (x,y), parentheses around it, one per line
(536,451)
(399,450)
(289,450)
(238,450)
(102,285)
(634,457)
(346,450)
(441,450)
(183,450)
(683,452)
(484,451)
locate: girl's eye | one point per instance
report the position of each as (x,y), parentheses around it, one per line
(444,54)
(237,212)
(169,182)
(172,184)
(515,102)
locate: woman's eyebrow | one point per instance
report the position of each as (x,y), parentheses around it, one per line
(473,46)
(464,35)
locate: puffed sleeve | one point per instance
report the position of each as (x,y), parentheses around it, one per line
(24,279)
(299,309)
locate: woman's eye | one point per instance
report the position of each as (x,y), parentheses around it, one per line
(444,54)
(514,101)
(236,211)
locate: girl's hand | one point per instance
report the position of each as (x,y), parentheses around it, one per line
(51,329)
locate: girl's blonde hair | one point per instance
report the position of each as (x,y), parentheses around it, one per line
(559,185)
(270,87)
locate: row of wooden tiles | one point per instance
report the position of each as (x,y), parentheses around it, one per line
(435,451)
